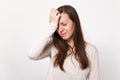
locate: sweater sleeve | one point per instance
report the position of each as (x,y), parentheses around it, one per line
(41,47)
(94,64)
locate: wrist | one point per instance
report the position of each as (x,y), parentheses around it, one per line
(53,24)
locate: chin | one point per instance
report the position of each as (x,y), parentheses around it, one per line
(65,38)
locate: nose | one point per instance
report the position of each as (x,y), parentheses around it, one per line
(60,28)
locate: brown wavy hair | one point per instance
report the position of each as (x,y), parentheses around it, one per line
(79,43)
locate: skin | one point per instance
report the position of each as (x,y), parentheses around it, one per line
(66,26)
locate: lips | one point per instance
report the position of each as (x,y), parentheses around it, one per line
(63,34)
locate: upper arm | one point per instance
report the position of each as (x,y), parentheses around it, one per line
(94,64)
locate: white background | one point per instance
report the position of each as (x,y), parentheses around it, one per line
(22,22)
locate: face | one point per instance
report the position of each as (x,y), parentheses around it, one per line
(66,27)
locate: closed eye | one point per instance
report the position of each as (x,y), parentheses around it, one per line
(64,24)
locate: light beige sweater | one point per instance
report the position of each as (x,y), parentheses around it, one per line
(71,66)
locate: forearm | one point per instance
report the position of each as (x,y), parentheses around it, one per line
(38,50)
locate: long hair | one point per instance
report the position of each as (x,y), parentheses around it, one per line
(79,43)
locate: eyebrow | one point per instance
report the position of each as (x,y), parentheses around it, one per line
(63,22)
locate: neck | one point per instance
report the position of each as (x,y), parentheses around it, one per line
(71,47)
(70,42)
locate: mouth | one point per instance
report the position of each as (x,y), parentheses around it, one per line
(63,34)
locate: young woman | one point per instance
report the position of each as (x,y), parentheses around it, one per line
(72,58)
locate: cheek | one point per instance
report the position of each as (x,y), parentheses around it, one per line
(71,29)
(71,33)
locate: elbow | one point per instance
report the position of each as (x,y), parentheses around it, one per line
(32,57)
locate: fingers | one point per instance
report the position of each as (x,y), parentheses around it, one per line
(54,11)
(54,15)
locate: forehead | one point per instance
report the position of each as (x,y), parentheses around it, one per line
(64,18)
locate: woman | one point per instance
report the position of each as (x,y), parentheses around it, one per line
(71,57)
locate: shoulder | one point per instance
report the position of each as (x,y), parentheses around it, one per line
(90,47)
(91,50)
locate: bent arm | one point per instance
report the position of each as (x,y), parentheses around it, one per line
(42,47)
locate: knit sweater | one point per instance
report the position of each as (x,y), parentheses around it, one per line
(71,65)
